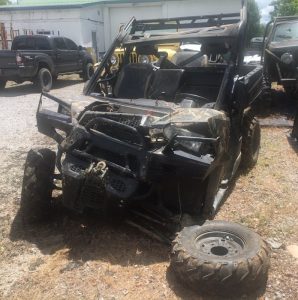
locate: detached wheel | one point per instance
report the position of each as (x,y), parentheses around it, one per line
(88,71)
(37,185)
(2,84)
(220,258)
(44,80)
(250,143)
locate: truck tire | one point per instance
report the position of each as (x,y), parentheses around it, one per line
(44,80)
(220,258)
(37,185)
(88,71)
(2,84)
(250,143)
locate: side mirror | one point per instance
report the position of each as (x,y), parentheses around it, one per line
(80,48)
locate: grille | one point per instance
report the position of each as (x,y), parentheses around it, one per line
(133,121)
(130,120)
(118,185)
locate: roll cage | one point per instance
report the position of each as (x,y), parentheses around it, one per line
(207,28)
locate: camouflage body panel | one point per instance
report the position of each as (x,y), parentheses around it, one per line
(209,122)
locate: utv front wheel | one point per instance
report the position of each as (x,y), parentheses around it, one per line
(250,143)
(220,258)
(37,185)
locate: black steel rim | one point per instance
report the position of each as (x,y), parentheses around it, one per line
(220,244)
(46,79)
(90,72)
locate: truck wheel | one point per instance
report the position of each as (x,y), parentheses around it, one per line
(44,80)
(88,71)
(2,84)
(250,143)
(220,258)
(37,185)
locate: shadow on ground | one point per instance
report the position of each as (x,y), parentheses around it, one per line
(29,88)
(277,104)
(88,237)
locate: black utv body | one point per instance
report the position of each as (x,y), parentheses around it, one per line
(281,54)
(161,134)
(170,133)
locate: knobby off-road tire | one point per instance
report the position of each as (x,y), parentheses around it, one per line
(250,143)
(37,185)
(220,258)
(88,71)
(2,84)
(44,80)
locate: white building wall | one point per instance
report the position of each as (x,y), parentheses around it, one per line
(105,20)
(116,15)
(57,22)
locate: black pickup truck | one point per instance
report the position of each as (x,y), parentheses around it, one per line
(41,59)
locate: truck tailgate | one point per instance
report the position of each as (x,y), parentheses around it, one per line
(7,59)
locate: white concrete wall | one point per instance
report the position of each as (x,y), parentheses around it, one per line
(105,20)
(116,15)
(66,23)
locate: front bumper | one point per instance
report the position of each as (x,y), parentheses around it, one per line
(129,165)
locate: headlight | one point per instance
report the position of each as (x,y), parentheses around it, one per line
(114,60)
(171,131)
(287,58)
(144,59)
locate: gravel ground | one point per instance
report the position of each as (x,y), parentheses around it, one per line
(77,257)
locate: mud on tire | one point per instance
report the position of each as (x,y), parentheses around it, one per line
(250,143)
(37,185)
(220,258)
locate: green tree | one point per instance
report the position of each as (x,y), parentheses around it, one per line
(285,8)
(4,2)
(254,17)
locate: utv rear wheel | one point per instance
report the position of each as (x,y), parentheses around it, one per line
(250,143)
(44,80)
(37,185)
(220,258)
(2,84)
(88,71)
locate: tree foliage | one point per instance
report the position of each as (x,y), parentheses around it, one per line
(285,8)
(4,2)
(254,17)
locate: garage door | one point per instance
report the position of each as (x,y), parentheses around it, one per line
(120,16)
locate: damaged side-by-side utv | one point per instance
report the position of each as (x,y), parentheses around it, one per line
(162,136)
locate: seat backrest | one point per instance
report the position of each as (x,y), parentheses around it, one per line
(133,81)
(165,84)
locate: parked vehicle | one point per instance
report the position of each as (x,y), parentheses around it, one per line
(281,54)
(164,140)
(41,59)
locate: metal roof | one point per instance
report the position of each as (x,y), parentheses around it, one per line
(64,4)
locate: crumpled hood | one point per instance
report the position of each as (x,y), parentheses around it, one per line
(206,121)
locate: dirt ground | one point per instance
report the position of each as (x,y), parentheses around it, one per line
(81,257)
